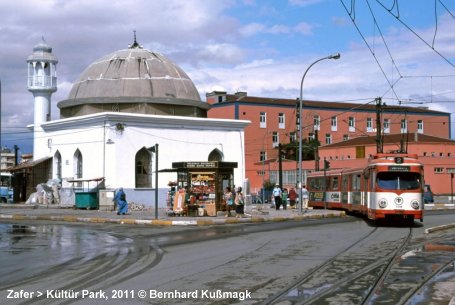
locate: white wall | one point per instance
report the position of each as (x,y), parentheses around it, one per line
(179,139)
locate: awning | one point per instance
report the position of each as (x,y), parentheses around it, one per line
(29,164)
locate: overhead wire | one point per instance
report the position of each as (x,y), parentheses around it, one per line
(369,48)
(399,19)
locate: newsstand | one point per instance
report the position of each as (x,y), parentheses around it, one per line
(201,186)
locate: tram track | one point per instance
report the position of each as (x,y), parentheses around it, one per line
(350,274)
(126,260)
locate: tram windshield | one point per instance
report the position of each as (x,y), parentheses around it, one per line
(398,180)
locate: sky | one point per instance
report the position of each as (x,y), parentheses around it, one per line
(402,51)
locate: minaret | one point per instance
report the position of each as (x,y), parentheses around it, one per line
(42,82)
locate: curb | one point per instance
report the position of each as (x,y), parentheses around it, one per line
(440,228)
(161,222)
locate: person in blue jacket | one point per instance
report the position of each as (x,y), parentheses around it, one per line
(120,200)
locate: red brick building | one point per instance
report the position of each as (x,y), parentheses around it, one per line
(273,121)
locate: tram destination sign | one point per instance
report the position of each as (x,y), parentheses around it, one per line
(399,168)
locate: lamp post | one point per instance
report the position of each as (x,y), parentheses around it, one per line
(333,56)
(154,149)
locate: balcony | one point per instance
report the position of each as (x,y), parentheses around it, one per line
(42,82)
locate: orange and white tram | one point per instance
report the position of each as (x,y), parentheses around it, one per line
(391,185)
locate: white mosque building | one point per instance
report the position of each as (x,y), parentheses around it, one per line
(122,105)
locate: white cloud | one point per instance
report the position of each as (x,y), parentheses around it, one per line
(251,29)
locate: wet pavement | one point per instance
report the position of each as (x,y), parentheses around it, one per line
(253,214)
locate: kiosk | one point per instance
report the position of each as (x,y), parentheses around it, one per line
(201,185)
(85,196)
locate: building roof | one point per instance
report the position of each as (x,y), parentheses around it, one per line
(390,139)
(133,76)
(42,52)
(242,97)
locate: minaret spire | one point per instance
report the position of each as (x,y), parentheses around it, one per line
(135,44)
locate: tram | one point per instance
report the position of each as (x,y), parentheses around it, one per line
(391,185)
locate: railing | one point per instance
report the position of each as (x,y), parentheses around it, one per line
(40,81)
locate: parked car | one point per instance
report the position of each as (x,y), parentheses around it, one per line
(427,194)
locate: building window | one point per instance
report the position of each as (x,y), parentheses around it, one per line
(317,122)
(77,169)
(262,156)
(351,124)
(57,165)
(438,170)
(311,136)
(386,125)
(334,123)
(420,126)
(143,172)
(345,137)
(292,136)
(281,121)
(369,125)
(328,138)
(262,120)
(216,155)
(275,139)
(404,126)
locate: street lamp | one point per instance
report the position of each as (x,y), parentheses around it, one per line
(333,56)
(154,149)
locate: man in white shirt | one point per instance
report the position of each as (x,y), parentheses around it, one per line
(305,197)
(277,196)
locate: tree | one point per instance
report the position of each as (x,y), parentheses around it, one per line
(290,150)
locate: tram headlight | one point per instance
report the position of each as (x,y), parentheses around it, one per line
(382,203)
(415,204)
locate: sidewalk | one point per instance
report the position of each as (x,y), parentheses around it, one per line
(254,214)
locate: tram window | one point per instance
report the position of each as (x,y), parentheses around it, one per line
(316,183)
(398,181)
(344,183)
(334,185)
(355,185)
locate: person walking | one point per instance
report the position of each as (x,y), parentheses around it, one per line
(305,197)
(292,197)
(229,199)
(120,200)
(277,196)
(284,198)
(239,203)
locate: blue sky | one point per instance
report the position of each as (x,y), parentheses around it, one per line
(262,47)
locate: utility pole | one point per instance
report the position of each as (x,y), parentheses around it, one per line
(379,144)
(280,167)
(316,151)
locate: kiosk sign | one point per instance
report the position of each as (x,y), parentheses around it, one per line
(200,165)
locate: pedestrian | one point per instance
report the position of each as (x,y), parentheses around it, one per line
(229,199)
(277,196)
(292,197)
(305,197)
(120,200)
(239,203)
(284,198)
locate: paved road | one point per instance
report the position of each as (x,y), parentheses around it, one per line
(123,261)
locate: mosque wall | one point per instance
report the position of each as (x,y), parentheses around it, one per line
(108,148)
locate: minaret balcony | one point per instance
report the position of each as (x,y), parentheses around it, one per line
(42,82)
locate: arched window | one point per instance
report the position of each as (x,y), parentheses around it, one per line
(216,155)
(143,168)
(57,165)
(77,164)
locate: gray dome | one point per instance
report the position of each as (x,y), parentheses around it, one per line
(134,76)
